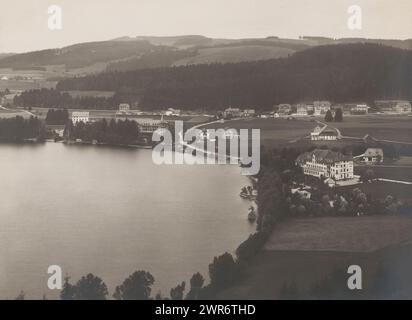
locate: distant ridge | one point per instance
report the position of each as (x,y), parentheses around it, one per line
(132,53)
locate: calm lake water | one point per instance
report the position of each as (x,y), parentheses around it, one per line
(111,211)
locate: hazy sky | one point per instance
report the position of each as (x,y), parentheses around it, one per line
(23,23)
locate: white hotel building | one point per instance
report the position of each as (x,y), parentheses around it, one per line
(80,116)
(326,164)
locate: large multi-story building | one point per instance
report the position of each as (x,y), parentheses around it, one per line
(172,112)
(149,125)
(352,108)
(248,113)
(326,164)
(283,109)
(302,109)
(321,107)
(80,116)
(124,107)
(232,113)
(361,108)
(394,106)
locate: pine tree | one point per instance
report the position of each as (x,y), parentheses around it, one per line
(328,116)
(338,115)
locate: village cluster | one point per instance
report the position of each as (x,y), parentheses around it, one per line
(330,166)
(319,108)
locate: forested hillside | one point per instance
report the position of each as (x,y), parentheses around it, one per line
(78,55)
(350,72)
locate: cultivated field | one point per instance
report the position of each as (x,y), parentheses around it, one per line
(28,79)
(270,271)
(381,127)
(10,113)
(303,253)
(21,85)
(343,234)
(90,93)
(402,173)
(235,54)
(381,189)
(273,132)
(281,131)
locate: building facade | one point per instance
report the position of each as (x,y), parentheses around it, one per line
(80,116)
(284,109)
(124,107)
(321,107)
(394,106)
(326,164)
(301,109)
(359,109)
(248,113)
(149,125)
(172,112)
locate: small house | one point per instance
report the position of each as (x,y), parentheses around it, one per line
(371,156)
(124,107)
(324,134)
(321,107)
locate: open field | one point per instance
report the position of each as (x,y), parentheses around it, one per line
(90,93)
(270,271)
(11,113)
(381,189)
(382,127)
(305,252)
(282,131)
(343,234)
(22,85)
(28,79)
(404,161)
(234,54)
(395,172)
(273,132)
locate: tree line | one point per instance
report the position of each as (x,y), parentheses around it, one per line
(224,270)
(337,117)
(18,129)
(57,117)
(112,132)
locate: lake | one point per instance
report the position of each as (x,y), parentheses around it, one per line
(111,211)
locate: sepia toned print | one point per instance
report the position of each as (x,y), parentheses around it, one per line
(185,150)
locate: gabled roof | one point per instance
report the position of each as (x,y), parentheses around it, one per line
(80,113)
(324,130)
(372,152)
(328,132)
(323,156)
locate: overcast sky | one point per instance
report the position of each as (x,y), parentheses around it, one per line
(23,23)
